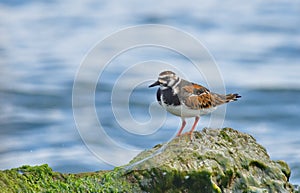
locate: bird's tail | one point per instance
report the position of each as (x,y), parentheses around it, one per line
(221,99)
(232,97)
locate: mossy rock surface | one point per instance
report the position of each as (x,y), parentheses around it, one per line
(216,160)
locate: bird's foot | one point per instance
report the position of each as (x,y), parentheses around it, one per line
(190,134)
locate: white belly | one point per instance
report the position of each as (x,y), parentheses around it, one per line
(184,111)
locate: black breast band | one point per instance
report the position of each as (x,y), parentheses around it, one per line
(168,97)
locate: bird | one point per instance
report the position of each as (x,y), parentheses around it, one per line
(187,99)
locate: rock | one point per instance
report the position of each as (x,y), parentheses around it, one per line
(217,160)
(222,160)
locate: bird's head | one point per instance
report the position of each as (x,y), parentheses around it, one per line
(166,79)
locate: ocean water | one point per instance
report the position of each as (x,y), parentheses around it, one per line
(43,44)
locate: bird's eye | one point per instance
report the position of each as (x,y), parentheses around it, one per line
(167,79)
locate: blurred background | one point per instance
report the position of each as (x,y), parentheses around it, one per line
(42,43)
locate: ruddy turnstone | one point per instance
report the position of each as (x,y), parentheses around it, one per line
(186,99)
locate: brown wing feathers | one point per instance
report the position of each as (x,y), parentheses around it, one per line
(201,98)
(199,102)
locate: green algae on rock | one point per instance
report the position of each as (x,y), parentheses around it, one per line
(217,160)
(43,179)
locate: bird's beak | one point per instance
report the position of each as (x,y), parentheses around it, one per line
(154,84)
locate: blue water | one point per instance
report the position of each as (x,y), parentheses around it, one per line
(42,44)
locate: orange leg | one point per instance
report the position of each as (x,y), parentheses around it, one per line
(181,128)
(193,127)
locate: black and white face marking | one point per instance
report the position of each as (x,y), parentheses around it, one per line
(166,79)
